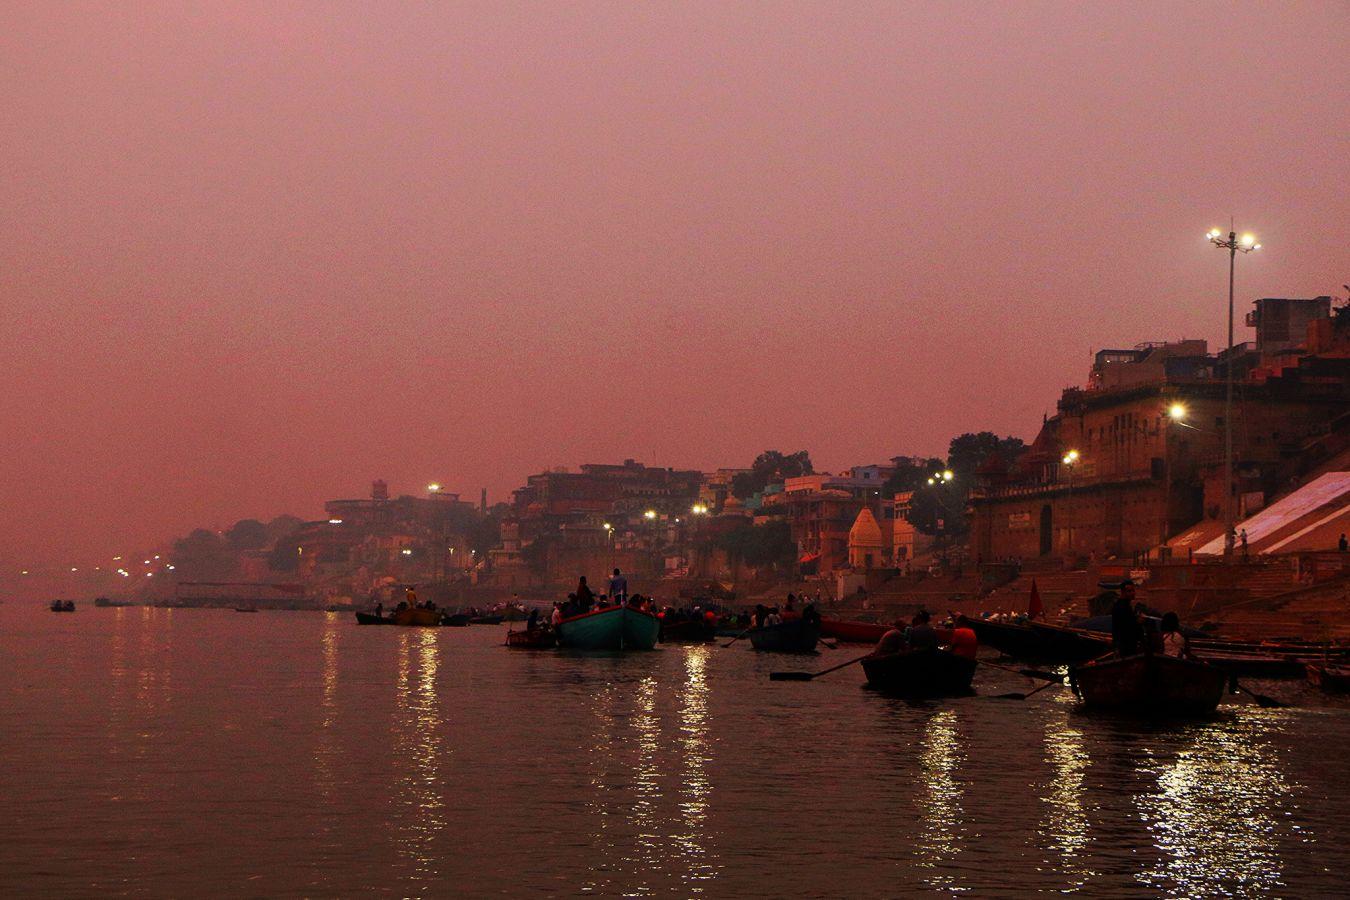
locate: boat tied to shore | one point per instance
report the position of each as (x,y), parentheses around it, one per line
(610,628)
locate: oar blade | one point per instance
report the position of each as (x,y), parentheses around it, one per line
(791,676)
(1010,696)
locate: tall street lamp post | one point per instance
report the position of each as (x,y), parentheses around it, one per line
(1233,244)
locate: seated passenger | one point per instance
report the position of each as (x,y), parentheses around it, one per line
(1174,643)
(921,635)
(893,641)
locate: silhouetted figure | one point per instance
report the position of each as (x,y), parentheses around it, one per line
(1125,633)
(618,588)
(585,599)
(921,635)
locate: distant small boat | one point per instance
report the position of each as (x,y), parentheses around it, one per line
(920,673)
(246,609)
(372,619)
(63,606)
(487,620)
(538,639)
(1150,684)
(457,620)
(611,628)
(792,636)
(1331,678)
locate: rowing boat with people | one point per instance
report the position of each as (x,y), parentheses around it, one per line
(610,628)
(926,672)
(792,636)
(1150,684)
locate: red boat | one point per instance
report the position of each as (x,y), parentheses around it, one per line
(538,639)
(852,632)
(1331,678)
(1150,684)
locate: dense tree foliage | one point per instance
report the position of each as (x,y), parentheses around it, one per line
(247,534)
(769,467)
(760,545)
(203,556)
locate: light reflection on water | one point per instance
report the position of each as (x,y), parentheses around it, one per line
(940,831)
(1214,814)
(186,752)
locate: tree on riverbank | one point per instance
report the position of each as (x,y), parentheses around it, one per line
(771,467)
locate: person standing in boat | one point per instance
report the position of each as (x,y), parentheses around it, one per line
(533,622)
(1125,631)
(618,588)
(585,599)
(557,613)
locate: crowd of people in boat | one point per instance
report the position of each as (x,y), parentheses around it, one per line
(920,634)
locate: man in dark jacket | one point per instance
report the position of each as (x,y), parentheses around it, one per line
(1125,631)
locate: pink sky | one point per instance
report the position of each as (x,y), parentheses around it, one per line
(256,255)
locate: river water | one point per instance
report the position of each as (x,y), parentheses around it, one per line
(156,752)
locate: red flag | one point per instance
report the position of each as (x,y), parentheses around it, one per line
(1034,610)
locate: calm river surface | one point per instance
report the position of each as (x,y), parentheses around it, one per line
(190,753)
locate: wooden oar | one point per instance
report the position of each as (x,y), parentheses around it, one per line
(1261,699)
(739,636)
(1029,693)
(1030,673)
(807,676)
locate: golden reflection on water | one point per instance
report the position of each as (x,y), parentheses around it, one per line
(1211,816)
(154,682)
(1065,826)
(417,750)
(939,841)
(695,786)
(326,749)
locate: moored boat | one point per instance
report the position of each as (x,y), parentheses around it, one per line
(455,620)
(1150,684)
(1331,678)
(372,619)
(486,620)
(1037,641)
(63,606)
(852,632)
(931,672)
(792,636)
(536,639)
(610,628)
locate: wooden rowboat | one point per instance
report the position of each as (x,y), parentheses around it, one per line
(457,620)
(792,636)
(687,631)
(1331,678)
(852,632)
(372,619)
(920,673)
(611,628)
(417,617)
(487,620)
(538,639)
(1150,684)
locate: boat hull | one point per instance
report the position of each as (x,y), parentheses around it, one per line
(419,618)
(1332,679)
(794,636)
(372,619)
(1150,684)
(613,628)
(920,673)
(690,631)
(1037,641)
(852,632)
(538,639)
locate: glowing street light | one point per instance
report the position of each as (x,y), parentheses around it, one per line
(334,521)
(699,509)
(1233,244)
(1177,412)
(608,527)
(407,551)
(1071,457)
(649,514)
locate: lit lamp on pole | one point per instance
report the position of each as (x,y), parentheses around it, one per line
(1234,245)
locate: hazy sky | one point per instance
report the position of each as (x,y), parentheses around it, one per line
(254,256)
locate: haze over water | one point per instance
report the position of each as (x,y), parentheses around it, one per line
(160,752)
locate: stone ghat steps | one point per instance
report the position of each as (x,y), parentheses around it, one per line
(1314,612)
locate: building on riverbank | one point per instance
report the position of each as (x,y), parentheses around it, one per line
(1136,455)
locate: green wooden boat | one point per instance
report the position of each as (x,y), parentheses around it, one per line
(611,628)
